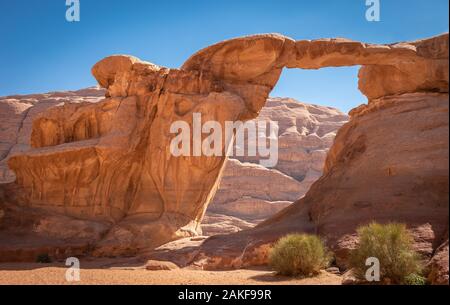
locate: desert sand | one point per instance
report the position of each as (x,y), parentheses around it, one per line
(106,272)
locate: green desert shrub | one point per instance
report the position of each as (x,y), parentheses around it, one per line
(392,245)
(415,279)
(299,254)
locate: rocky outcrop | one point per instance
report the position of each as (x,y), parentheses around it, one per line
(252,192)
(214,224)
(306,132)
(16,119)
(240,203)
(111,162)
(27,233)
(388,163)
(438,265)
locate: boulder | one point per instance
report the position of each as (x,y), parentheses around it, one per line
(439,265)
(160,265)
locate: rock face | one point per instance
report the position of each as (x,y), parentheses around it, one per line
(306,133)
(438,265)
(250,191)
(305,136)
(111,162)
(16,119)
(388,163)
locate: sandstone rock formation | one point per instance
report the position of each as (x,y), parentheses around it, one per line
(110,161)
(306,133)
(252,192)
(305,136)
(388,163)
(16,118)
(438,265)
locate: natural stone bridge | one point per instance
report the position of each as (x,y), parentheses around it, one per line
(110,161)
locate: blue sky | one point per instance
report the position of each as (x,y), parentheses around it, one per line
(40,51)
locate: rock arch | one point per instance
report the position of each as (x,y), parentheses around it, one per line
(111,162)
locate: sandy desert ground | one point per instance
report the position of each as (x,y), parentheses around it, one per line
(104,273)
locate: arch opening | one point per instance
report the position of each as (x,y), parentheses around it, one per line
(335,87)
(309,107)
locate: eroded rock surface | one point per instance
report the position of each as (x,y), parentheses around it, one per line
(16,119)
(248,193)
(438,265)
(388,163)
(110,161)
(252,192)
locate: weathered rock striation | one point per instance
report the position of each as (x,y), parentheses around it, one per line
(248,193)
(251,192)
(111,162)
(16,119)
